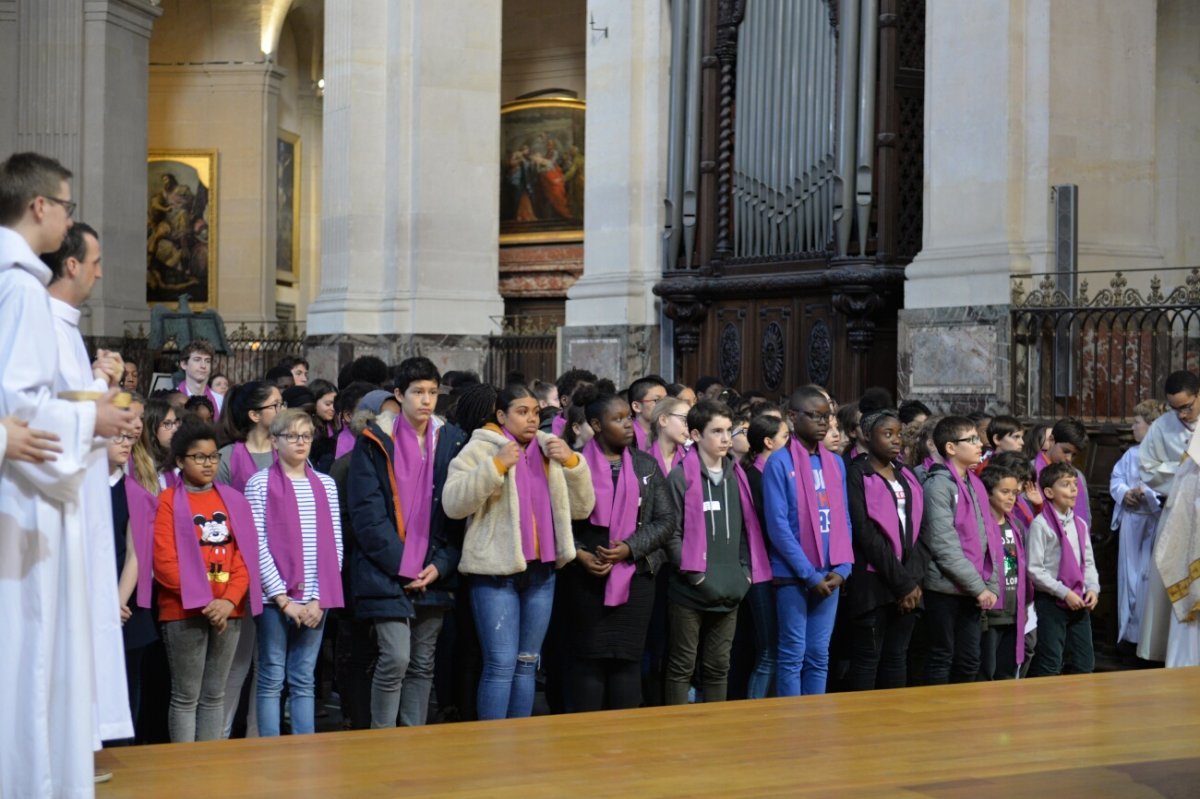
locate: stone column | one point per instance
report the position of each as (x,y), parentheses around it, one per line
(1022,96)
(612,317)
(410,213)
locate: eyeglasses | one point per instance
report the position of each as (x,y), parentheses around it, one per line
(170,423)
(815,416)
(680,416)
(969,440)
(276,405)
(738,431)
(121,438)
(200,459)
(67,205)
(1187,408)
(297,438)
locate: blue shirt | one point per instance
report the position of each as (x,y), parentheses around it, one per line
(781,512)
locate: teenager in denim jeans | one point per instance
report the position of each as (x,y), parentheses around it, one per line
(521,488)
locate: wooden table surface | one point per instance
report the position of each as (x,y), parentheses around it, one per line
(1126,734)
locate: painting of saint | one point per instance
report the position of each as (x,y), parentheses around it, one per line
(542,170)
(179,227)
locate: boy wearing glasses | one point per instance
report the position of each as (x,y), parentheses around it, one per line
(808,524)
(968,554)
(644,394)
(196,361)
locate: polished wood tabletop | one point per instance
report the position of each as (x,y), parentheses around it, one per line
(1125,734)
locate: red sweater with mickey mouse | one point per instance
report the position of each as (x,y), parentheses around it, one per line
(220,554)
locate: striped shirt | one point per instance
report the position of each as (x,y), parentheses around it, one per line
(256,494)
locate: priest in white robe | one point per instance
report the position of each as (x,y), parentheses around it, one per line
(1177,558)
(1161,454)
(76,269)
(45,636)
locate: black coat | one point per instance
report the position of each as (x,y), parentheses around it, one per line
(375,560)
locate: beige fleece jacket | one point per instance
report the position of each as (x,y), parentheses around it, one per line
(475,488)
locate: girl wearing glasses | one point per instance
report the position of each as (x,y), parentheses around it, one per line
(300,559)
(670,423)
(152,462)
(248,426)
(201,530)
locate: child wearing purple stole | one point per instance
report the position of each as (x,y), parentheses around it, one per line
(718,551)
(1068,437)
(201,531)
(890,557)
(1063,571)
(808,522)
(252,408)
(300,559)
(644,394)
(968,554)
(1004,646)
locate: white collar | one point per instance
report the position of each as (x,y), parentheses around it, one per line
(65,311)
(115,477)
(19,253)
(1065,518)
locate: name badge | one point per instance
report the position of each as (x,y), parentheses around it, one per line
(713,505)
(639,502)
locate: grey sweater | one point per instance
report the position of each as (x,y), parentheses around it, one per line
(949,571)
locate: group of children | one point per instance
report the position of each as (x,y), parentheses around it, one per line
(631,528)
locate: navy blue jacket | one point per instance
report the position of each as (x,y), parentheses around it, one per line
(375,560)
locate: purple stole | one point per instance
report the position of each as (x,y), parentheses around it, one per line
(1024,584)
(345,443)
(840,549)
(558,424)
(641,439)
(533,498)
(287,546)
(242,466)
(616,510)
(414,486)
(695,531)
(968,534)
(142,508)
(883,510)
(1070,570)
(658,456)
(194,588)
(208,392)
(1082,508)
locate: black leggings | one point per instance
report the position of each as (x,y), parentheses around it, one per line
(595,680)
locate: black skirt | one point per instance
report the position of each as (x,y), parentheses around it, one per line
(597,631)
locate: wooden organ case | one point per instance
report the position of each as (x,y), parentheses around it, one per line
(794,189)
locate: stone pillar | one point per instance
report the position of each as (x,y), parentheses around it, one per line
(232,108)
(112,175)
(410,213)
(612,317)
(10,64)
(1022,96)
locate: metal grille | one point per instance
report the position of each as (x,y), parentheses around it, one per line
(1123,344)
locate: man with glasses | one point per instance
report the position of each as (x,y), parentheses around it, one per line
(196,361)
(75,270)
(1162,452)
(46,676)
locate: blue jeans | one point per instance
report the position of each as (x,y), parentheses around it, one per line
(512,614)
(761,603)
(286,650)
(805,627)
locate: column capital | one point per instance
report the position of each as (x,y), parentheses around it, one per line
(135,16)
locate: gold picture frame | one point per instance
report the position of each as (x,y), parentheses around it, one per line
(181,227)
(287,208)
(542,149)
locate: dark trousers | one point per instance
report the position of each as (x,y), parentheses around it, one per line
(998,652)
(1064,639)
(691,629)
(953,622)
(355,652)
(605,684)
(879,648)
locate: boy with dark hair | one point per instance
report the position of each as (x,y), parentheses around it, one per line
(914,411)
(1006,434)
(407,550)
(708,387)
(717,550)
(298,368)
(808,521)
(566,384)
(280,376)
(1063,571)
(1068,437)
(644,394)
(968,554)
(196,361)
(1003,645)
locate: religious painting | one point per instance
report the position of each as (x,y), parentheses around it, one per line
(287,208)
(181,227)
(542,170)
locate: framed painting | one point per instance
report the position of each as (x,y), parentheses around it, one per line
(181,227)
(542,170)
(287,208)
